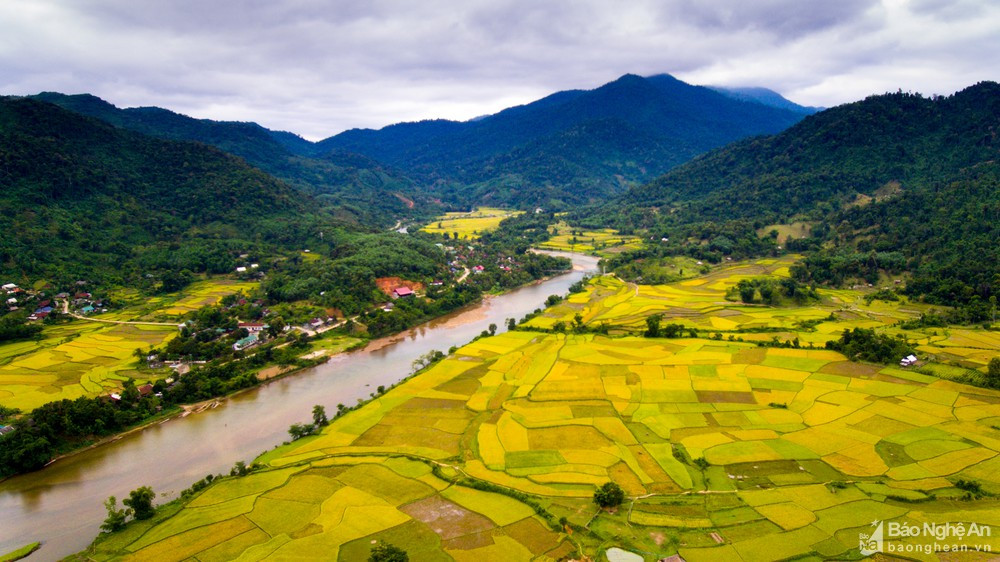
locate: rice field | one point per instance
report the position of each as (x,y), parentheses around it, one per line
(76,359)
(89,358)
(469,225)
(602,242)
(726,450)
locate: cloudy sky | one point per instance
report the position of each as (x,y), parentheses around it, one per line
(318,67)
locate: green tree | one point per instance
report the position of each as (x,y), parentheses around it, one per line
(385,552)
(300,430)
(116,516)
(275,327)
(140,501)
(993,373)
(319,416)
(493,329)
(609,495)
(578,322)
(653,325)
(511,324)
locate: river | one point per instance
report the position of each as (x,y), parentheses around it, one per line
(62,505)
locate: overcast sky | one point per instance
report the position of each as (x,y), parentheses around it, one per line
(319,67)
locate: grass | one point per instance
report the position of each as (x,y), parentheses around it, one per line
(798,448)
(20,553)
(469,225)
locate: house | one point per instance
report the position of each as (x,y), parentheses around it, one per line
(315,323)
(82,295)
(254,265)
(62,295)
(9,287)
(252,327)
(12,301)
(401,292)
(908,360)
(145,390)
(241,269)
(45,303)
(5,429)
(87,309)
(246,342)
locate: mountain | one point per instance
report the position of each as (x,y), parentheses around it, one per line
(766,97)
(82,198)
(359,188)
(895,178)
(570,147)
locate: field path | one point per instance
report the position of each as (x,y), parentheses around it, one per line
(79,317)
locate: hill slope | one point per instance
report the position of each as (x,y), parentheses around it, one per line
(83,198)
(360,188)
(572,146)
(897,173)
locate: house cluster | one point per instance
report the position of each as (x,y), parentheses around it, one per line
(42,305)
(318,324)
(908,361)
(145,391)
(84,303)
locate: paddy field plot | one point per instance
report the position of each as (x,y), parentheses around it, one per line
(469,225)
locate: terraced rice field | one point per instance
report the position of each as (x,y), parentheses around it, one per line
(73,360)
(726,450)
(554,415)
(89,358)
(206,292)
(603,242)
(469,225)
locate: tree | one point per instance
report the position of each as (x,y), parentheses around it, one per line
(116,517)
(493,329)
(385,552)
(319,416)
(609,495)
(275,327)
(300,430)
(511,324)
(653,325)
(140,501)
(578,323)
(993,373)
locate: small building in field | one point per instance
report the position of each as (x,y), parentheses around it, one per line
(908,361)
(241,269)
(145,390)
(401,292)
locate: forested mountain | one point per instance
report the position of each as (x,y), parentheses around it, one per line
(83,199)
(895,179)
(356,187)
(570,147)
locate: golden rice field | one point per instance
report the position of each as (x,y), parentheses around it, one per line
(89,358)
(603,242)
(554,415)
(73,360)
(799,229)
(469,225)
(726,450)
(201,293)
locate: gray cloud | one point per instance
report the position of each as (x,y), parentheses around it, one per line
(318,67)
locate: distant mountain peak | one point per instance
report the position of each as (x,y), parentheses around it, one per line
(765,96)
